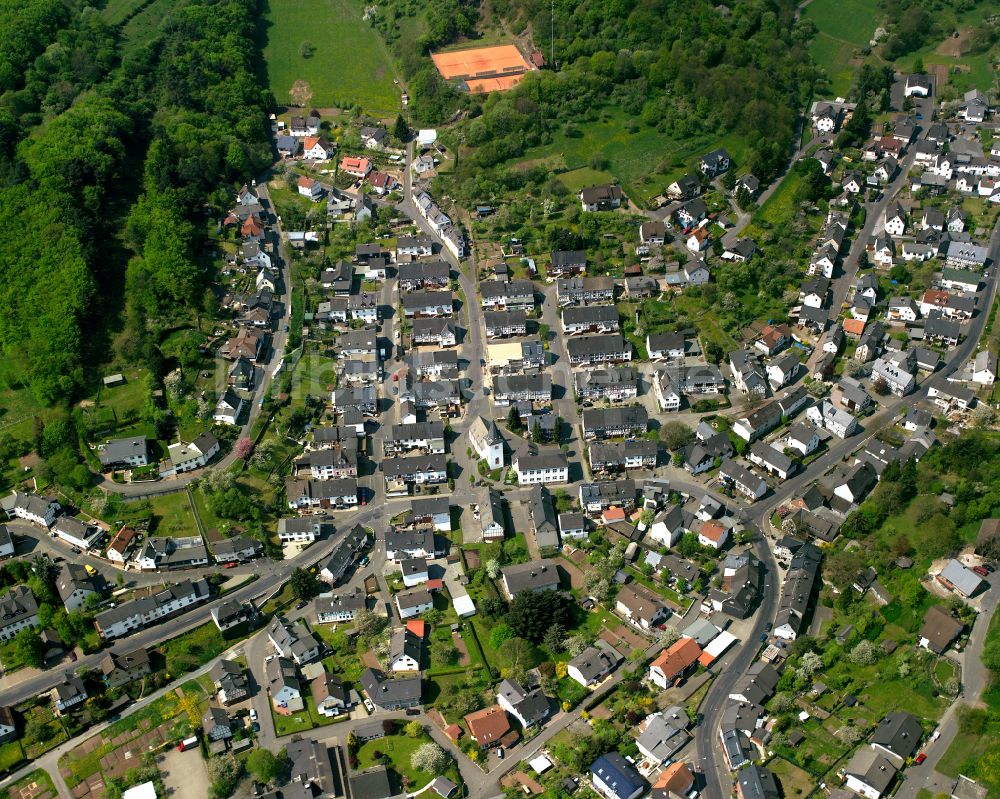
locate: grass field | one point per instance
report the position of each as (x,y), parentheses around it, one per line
(844,26)
(172,516)
(144,25)
(977,70)
(11,756)
(349,65)
(399,749)
(794,781)
(977,745)
(192,649)
(644,162)
(117,11)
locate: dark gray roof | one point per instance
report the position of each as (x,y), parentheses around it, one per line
(532,575)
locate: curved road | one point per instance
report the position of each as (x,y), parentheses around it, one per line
(279,340)
(718,779)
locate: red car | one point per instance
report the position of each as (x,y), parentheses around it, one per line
(982,571)
(920,758)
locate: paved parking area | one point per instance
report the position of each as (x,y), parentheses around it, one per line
(184,774)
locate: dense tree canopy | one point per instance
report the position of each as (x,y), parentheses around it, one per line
(185,114)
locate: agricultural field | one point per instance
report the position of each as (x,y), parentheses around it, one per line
(329,55)
(844,27)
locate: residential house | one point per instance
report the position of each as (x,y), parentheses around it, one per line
(939,630)
(613,777)
(567,262)
(601,198)
(614,383)
(548,466)
(897,736)
(293,641)
(528,707)
(594,664)
(414,601)
(75,586)
(488,726)
(640,606)
(771,460)
(714,163)
(336,608)
(121,668)
(68,694)
(31,507)
(838,421)
(673,662)
(956,577)
(661,735)
(535,576)
(391,694)
(869,773)
(281,679)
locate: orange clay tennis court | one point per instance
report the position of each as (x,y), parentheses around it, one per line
(484,69)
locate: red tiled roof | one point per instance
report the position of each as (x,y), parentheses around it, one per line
(678,657)
(713,531)
(488,725)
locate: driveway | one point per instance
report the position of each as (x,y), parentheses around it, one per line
(184,774)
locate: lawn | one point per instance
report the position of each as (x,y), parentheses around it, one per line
(11,756)
(193,649)
(173,516)
(349,64)
(304,720)
(118,410)
(645,161)
(43,714)
(570,691)
(844,26)
(398,749)
(581,178)
(794,781)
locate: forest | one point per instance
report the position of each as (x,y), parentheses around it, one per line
(710,70)
(106,165)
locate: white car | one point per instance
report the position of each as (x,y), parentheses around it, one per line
(253,714)
(369,706)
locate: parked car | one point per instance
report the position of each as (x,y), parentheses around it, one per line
(253,714)
(920,758)
(982,571)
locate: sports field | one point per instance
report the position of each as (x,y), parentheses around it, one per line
(484,69)
(329,55)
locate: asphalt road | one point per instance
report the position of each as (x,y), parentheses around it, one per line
(279,341)
(711,759)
